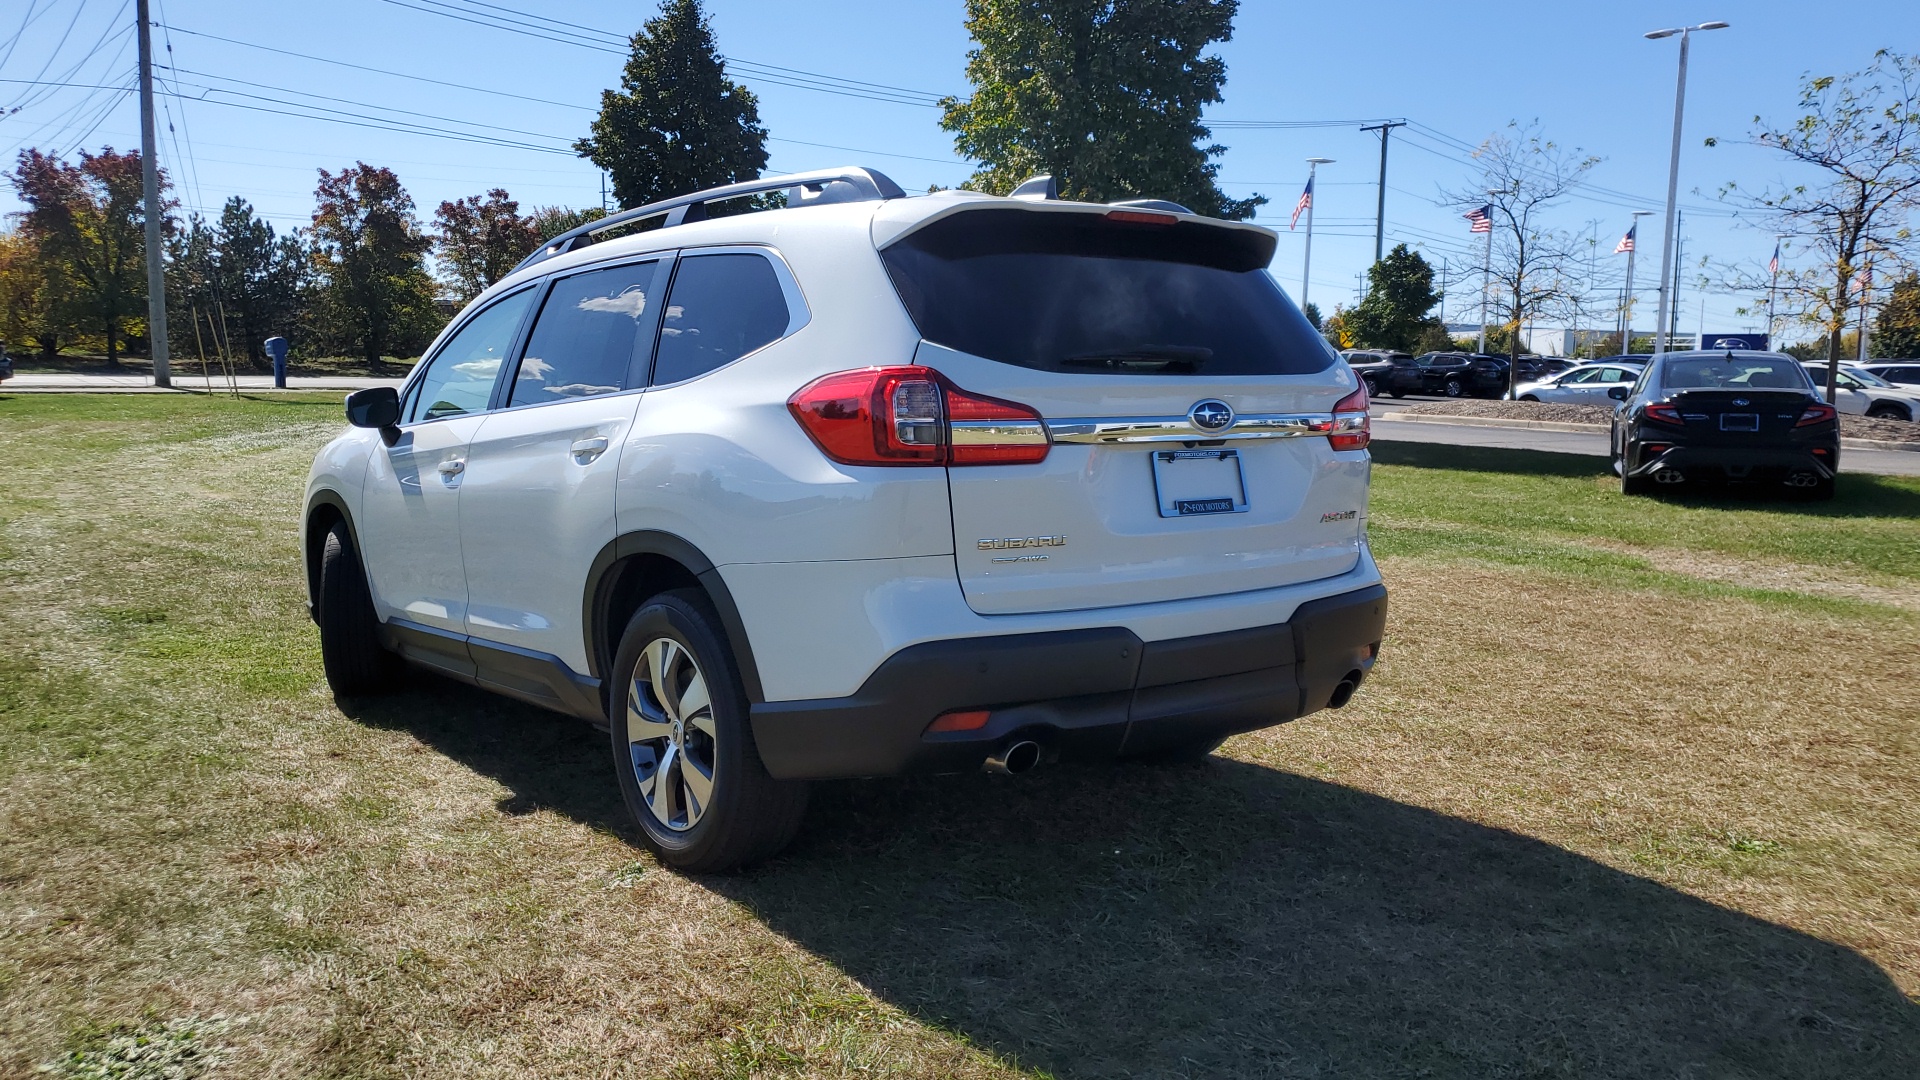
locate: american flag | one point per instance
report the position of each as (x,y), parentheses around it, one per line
(1482,218)
(1863,280)
(1305,204)
(1773,266)
(1626,242)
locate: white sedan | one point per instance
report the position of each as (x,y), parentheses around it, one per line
(1863,393)
(1584,385)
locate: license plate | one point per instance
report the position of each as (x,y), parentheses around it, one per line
(1739,421)
(1190,483)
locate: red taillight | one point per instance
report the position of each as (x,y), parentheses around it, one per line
(1142,217)
(911,415)
(1817,413)
(1351,426)
(1665,414)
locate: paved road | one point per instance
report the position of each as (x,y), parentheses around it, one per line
(124,384)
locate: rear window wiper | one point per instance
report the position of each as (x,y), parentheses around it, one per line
(1184,358)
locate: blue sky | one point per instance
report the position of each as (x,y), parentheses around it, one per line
(1581,69)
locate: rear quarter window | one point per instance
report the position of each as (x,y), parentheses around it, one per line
(1077,293)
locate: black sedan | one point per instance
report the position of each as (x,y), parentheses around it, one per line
(1730,416)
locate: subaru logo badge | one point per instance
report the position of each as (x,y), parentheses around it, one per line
(1211,415)
(1740,401)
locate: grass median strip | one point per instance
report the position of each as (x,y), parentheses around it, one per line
(1593,815)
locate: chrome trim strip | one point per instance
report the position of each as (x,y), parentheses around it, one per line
(1157,429)
(997,433)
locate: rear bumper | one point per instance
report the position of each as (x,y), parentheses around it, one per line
(1739,462)
(1089,693)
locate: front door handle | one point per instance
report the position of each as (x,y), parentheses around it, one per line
(453,467)
(585,450)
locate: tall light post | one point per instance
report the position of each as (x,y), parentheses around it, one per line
(1673,166)
(1626,331)
(1306,264)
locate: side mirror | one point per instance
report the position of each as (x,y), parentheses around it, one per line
(1617,393)
(376,407)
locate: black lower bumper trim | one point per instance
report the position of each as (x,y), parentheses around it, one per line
(1081,693)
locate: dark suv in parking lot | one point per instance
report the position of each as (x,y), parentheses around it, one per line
(1374,366)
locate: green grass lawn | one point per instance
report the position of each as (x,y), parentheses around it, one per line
(1631,794)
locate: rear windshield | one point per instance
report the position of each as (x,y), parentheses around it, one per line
(1077,293)
(1734,373)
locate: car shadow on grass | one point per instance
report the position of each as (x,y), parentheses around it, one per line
(1230,919)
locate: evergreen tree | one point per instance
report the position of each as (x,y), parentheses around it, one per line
(1106,97)
(1394,313)
(550,221)
(677,124)
(264,277)
(370,254)
(1896,330)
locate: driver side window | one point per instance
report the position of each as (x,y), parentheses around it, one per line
(461,376)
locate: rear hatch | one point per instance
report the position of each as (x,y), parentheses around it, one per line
(1130,333)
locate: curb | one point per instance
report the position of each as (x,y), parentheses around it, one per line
(1595,429)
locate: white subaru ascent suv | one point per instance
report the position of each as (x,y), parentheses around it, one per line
(859,486)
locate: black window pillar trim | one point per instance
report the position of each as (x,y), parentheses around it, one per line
(602,638)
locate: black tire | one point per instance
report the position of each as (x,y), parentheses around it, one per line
(1373,388)
(1633,485)
(1396,393)
(1528,397)
(1455,388)
(748,815)
(350,649)
(1887,410)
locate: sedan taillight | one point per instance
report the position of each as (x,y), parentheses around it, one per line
(1665,414)
(1817,413)
(1352,427)
(911,415)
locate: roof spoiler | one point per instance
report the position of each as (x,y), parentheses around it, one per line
(822,186)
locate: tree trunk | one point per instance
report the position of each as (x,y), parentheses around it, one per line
(113,346)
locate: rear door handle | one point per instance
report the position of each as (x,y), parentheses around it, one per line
(453,467)
(589,449)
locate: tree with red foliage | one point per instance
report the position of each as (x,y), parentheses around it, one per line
(481,240)
(89,224)
(371,255)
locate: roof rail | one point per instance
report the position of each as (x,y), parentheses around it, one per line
(852,183)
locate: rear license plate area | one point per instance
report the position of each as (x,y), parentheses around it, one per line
(1742,421)
(1195,483)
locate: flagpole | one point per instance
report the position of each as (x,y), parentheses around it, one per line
(1486,290)
(1306,264)
(1773,285)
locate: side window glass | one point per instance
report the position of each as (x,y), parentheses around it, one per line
(461,375)
(587,333)
(721,308)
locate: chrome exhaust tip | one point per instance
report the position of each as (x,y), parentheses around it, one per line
(1343,693)
(1803,479)
(1015,758)
(1668,476)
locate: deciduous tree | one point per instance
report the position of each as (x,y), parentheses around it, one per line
(1393,314)
(34,305)
(677,124)
(1896,330)
(1523,177)
(88,223)
(1860,132)
(481,239)
(370,252)
(1106,97)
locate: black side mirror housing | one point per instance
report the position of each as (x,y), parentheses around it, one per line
(376,407)
(1617,393)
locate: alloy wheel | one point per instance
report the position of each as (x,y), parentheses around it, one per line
(671,734)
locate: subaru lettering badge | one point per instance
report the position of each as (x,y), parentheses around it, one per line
(1211,415)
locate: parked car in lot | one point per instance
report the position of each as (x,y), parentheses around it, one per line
(1584,385)
(1487,372)
(1726,415)
(1864,393)
(1897,372)
(862,486)
(1372,366)
(1445,373)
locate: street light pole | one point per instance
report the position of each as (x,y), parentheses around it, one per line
(1673,166)
(1306,264)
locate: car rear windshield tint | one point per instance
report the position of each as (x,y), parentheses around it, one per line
(1079,293)
(1733,373)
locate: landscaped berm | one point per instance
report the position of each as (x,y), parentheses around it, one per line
(1633,793)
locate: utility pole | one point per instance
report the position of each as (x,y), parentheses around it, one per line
(150,183)
(1443,289)
(1385,128)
